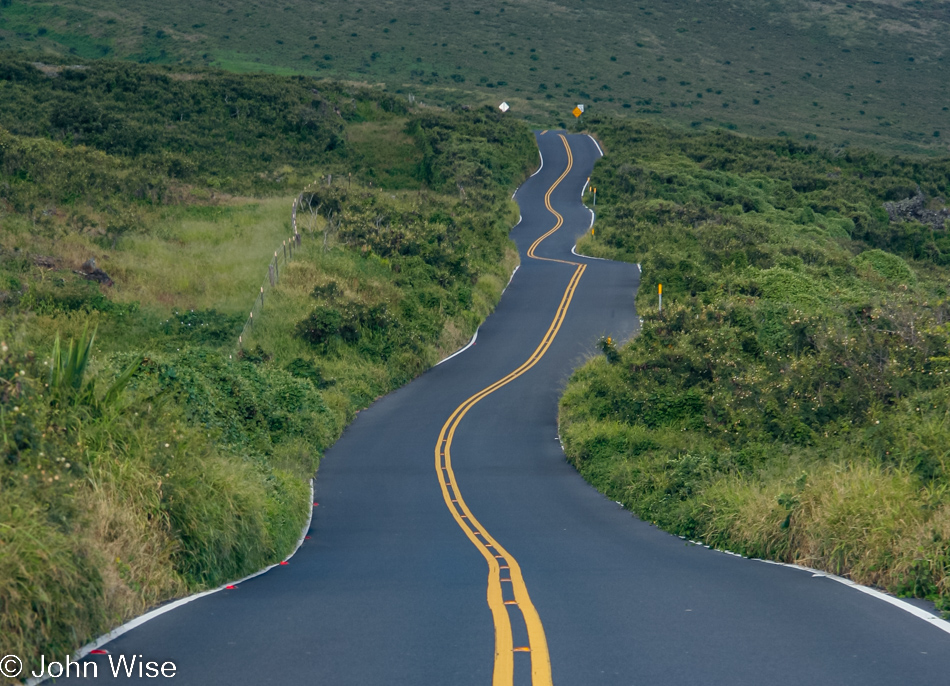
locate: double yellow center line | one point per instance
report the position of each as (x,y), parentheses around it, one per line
(507,591)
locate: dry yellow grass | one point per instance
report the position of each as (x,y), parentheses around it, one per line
(130,537)
(874,525)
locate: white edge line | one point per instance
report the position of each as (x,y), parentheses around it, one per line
(597,144)
(592,217)
(138,621)
(920,613)
(511,278)
(475,335)
(542,164)
(459,351)
(586,257)
(515,271)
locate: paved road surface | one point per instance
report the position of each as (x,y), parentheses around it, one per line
(395,587)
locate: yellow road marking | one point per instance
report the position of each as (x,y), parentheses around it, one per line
(503,672)
(547,204)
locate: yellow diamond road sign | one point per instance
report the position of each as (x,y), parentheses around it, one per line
(577,111)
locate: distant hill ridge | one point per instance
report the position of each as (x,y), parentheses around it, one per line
(865,73)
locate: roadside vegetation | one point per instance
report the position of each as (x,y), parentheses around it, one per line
(869,73)
(792,399)
(143,454)
(790,402)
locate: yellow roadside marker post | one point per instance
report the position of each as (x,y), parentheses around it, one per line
(661,297)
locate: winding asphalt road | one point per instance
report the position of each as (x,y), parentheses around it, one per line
(454,545)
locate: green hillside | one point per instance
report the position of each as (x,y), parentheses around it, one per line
(869,72)
(790,401)
(144,453)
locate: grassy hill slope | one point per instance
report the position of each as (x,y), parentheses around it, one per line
(790,401)
(870,72)
(194,469)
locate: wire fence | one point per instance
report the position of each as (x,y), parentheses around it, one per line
(278,263)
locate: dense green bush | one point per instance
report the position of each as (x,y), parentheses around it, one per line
(141,489)
(433,250)
(802,343)
(469,150)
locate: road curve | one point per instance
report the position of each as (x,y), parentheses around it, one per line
(495,563)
